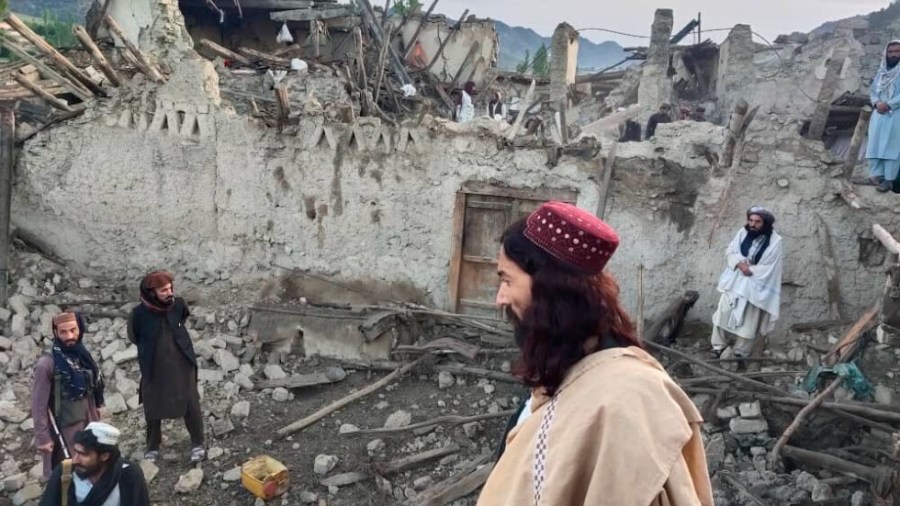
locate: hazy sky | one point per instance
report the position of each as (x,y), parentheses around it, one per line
(767,17)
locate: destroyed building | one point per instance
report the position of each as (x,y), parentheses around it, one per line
(328,169)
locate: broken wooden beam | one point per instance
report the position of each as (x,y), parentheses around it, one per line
(343,479)
(456,487)
(473,50)
(667,326)
(63,62)
(605,178)
(733,132)
(42,93)
(846,346)
(413,461)
(412,41)
(145,65)
(526,104)
(832,282)
(331,375)
(340,403)
(14,91)
(795,424)
(451,420)
(826,93)
(268,59)
(283,101)
(97,55)
(224,52)
(378,35)
(453,31)
(454,368)
(311,14)
(823,460)
(859,134)
(262,4)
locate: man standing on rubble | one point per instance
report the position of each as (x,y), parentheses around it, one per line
(883,149)
(605,424)
(97,475)
(750,285)
(661,116)
(167,361)
(67,390)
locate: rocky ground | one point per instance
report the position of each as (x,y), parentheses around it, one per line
(332,462)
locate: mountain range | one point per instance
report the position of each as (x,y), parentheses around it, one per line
(516,40)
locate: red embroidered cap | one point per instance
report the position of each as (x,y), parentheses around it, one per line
(572,235)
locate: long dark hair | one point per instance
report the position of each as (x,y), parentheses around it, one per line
(568,307)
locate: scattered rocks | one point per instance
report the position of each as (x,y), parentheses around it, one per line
(222,426)
(10,413)
(226,361)
(307,497)
(375,447)
(748,425)
(233,474)
(115,403)
(398,419)
(446,380)
(274,372)
(750,410)
(883,394)
(126,355)
(15,482)
(324,464)
(281,395)
(241,409)
(190,481)
(29,492)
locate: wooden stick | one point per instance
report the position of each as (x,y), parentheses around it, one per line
(456,489)
(225,52)
(451,420)
(146,67)
(830,85)
(830,269)
(742,488)
(342,480)
(382,57)
(412,41)
(340,403)
(831,462)
(73,86)
(97,55)
(473,50)
(859,134)
(809,408)
(526,104)
(41,92)
(406,463)
(266,58)
(453,30)
(865,322)
(57,57)
(452,368)
(361,70)
(718,379)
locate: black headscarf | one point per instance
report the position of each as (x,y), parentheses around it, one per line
(77,370)
(766,232)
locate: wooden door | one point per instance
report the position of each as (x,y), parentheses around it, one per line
(482,213)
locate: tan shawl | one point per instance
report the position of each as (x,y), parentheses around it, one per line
(621,433)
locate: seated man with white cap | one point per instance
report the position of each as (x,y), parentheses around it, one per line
(101,476)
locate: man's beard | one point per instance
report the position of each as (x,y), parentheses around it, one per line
(519,333)
(88,472)
(891,62)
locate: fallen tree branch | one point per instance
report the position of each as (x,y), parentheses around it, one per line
(742,488)
(467,481)
(340,403)
(407,463)
(452,368)
(451,420)
(809,408)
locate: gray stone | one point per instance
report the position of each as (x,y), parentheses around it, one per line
(398,419)
(19,325)
(281,395)
(750,410)
(324,464)
(858,498)
(307,497)
(241,409)
(375,447)
(244,381)
(27,425)
(29,492)
(19,304)
(748,425)
(222,426)
(471,429)
(210,376)
(783,182)
(347,428)
(110,349)
(274,372)
(5,343)
(134,402)
(214,453)
(190,481)
(5,314)
(446,380)
(233,474)
(116,404)
(726,413)
(126,386)
(15,482)
(806,481)
(9,412)
(226,361)
(883,394)
(204,349)
(715,452)
(822,492)
(150,470)
(422,483)
(126,355)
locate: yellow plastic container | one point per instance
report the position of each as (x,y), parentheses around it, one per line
(264,477)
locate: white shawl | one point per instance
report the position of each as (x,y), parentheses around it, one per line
(763,288)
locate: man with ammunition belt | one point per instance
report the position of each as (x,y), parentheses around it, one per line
(67,391)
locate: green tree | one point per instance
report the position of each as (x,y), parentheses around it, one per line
(523,65)
(541,62)
(406,7)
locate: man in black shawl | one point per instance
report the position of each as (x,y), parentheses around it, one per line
(168,363)
(101,476)
(67,385)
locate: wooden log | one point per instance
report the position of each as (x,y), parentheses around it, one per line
(458,489)
(73,86)
(742,488)
(311,14)
(413,461)
(7,162)
(816,325)
(826,93)
(382,59)
(600,77)
(344,479)
(11,93)
(225,52)
(42,93)
(473,50)
(795,424)
(846,346)
(453,30)
(22,136)
(823,460)
(859,134)
(146,67)
(380,40)
(361,69)
(340,403)
(886,239)
(55,55)
(666,327)
(606,178)
(97,55)
(455,368)
(451,420)
(268,59)
(733,132)
(412,42)
(333,375)
(830,269)
(525,105)
(283,101)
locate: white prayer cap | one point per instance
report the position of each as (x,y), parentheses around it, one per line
(105,433)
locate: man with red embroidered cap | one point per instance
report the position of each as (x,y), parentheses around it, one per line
(167,361)
(750,285)
(605,424)
(67,386)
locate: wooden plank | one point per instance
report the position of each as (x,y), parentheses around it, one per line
(480,260)
(97,55)
(606,182)
(476,204)
(266,58)
(859,134)
(42,93)
(304,380)
(7,161)
(57,57)
(826,93)
(478,304)
(412,42)
(456,245)
(473,50)
(413,461)
(145,66)
(311,14)
(73,86)
(830,269)
(526,104)
(17,92)
(224,52)
(539,194)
